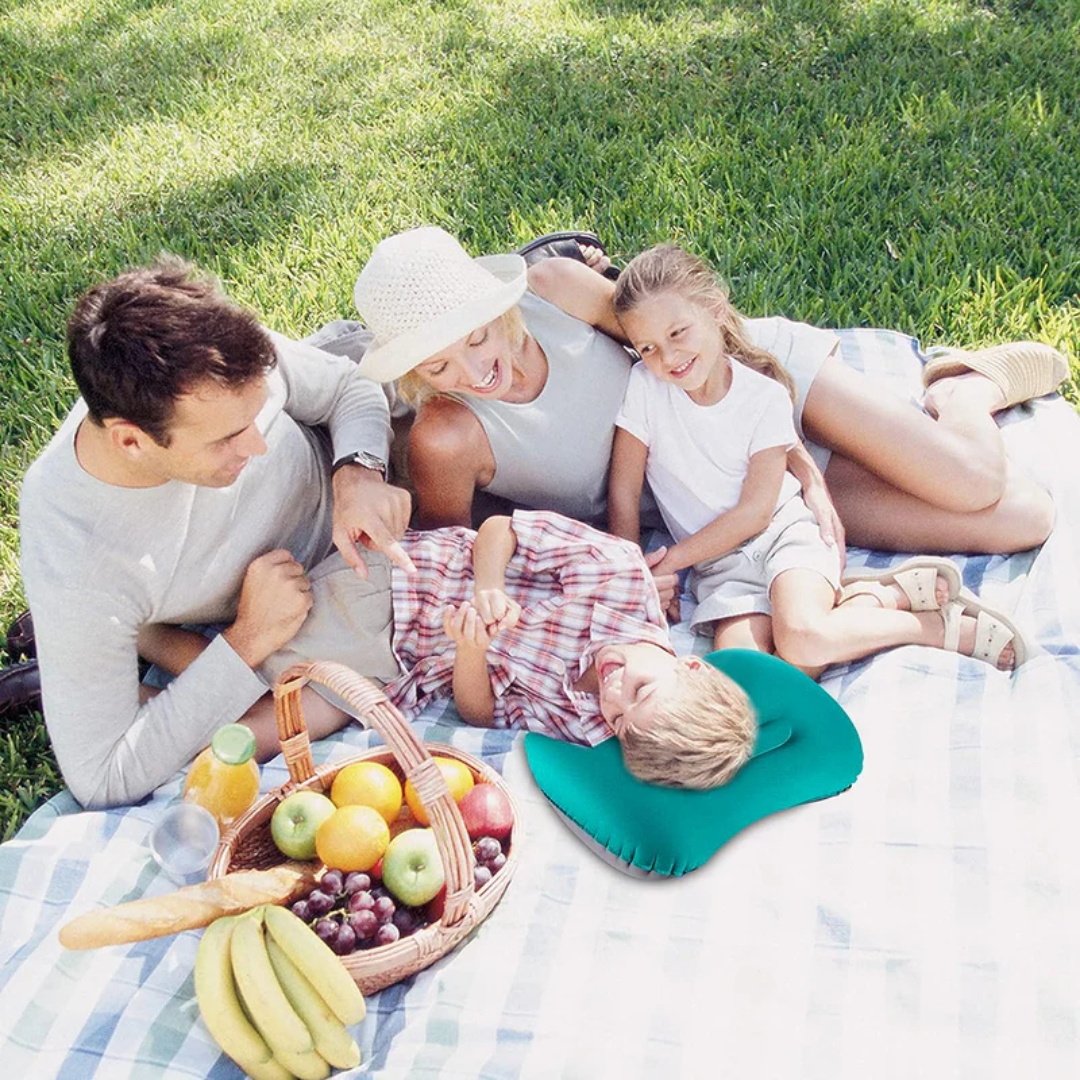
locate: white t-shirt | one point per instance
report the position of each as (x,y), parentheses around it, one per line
(699,454)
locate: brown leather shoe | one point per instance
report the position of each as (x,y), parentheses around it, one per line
(20,688)
(20,638)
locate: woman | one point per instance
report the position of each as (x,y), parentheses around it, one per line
(517,395)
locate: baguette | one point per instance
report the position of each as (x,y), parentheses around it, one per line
(190,907)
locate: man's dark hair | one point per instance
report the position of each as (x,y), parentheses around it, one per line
(142,340)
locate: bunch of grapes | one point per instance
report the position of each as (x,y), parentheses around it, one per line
(490,859)
(355,911)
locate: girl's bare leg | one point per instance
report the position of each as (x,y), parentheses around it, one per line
(810,631)
(745,632)
(902,480)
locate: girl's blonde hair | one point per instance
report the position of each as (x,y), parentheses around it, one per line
(669,269)
(415,389)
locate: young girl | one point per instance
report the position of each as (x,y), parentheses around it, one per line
(707,418)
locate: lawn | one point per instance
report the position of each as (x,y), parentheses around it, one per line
(846,162)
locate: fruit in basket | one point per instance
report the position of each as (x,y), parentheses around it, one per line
(215,990)
(368,783)
(296,820)
(412,868)
(352,838)
(459,779)
(265,1002)
(298,997)
(331,1037)
(318,964)
(486,811)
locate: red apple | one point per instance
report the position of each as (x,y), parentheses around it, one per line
(434,908)
(487,812)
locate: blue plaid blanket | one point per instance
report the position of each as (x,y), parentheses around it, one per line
(923,923)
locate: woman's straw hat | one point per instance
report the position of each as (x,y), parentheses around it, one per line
(420,292)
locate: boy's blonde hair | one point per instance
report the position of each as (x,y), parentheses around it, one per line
(414,389)
(669,269)
(699,738)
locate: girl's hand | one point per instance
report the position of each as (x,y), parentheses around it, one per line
(817,498)
(667,583)
(464,627)
(496,610)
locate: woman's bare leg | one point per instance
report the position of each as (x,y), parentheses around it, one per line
(904,481)
(877,515)
(956,461)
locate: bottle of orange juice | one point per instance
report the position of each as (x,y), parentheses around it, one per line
(224,778)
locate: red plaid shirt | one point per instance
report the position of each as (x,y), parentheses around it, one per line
(578,588)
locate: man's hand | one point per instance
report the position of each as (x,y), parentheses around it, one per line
(496,610)
(667,583)
(370,513)
(464,627)
(275,599)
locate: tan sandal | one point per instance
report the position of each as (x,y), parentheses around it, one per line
(1023,369)
(916,577)
(993,631)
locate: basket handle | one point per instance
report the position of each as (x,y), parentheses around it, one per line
(416,763)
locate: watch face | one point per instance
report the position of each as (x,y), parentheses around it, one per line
(364,460)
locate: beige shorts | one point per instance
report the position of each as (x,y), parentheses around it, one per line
(351,621)
(738,583)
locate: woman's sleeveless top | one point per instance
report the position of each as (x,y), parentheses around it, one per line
(553,453)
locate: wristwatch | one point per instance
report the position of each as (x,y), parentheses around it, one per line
(364,460)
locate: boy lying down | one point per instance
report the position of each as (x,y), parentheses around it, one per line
(535,621)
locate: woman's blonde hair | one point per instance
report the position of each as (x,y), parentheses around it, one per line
(415,389)
(700,738)
(670,269)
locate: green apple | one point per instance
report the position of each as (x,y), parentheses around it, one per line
(296,820)
(411,868)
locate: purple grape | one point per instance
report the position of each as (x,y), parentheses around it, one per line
(363,925)
(387,934)
(384,909)
(330,882)
(345,941)
(407,920)
(356,882)
(327,929)
(319,903)
(481,875)
(486,848)
(361,901)
(379,890)
(301,910)
(497,863)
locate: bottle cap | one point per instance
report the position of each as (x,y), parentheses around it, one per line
(233,744)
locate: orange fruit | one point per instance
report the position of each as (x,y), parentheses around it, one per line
(458,777)
(368,783)
(352,838)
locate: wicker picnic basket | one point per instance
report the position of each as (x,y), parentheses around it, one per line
(247,843)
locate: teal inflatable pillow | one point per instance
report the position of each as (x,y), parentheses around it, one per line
(807,749)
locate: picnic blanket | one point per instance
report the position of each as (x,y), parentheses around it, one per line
(924,923)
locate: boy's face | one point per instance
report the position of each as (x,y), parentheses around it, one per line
(635,681)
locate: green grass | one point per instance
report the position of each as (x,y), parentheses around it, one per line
(873,162)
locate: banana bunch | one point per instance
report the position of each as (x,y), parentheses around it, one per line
(275,997)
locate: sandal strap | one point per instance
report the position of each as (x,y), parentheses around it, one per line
(919,585)
(991,637)
(951,614)
(863,588)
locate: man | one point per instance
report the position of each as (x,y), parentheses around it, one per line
(191,483)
